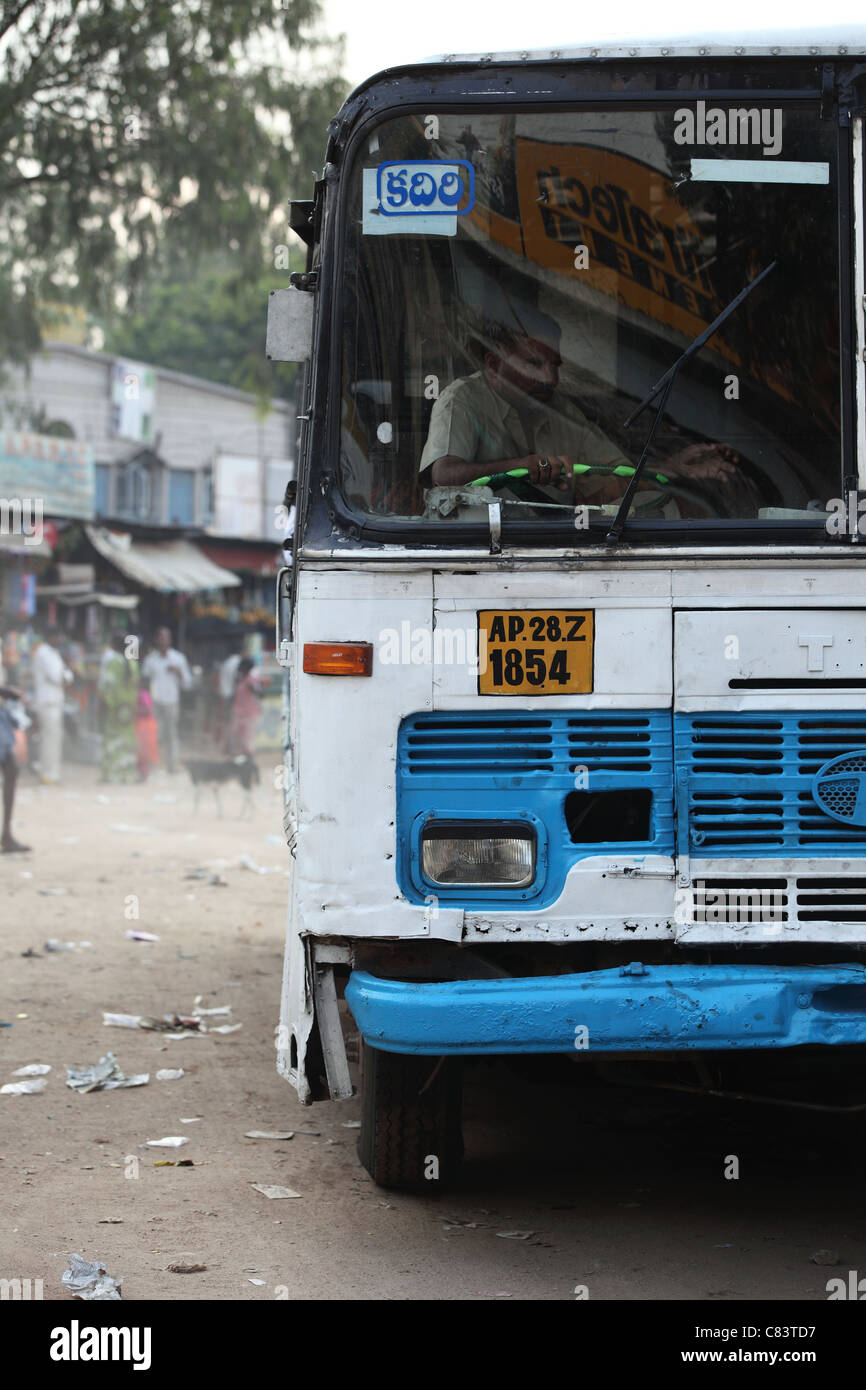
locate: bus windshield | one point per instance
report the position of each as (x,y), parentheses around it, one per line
(514,284)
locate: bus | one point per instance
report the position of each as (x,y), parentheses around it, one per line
(575,624)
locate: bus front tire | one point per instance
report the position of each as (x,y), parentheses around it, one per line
(411,1106)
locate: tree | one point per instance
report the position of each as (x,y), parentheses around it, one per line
(132,128)
(210,325)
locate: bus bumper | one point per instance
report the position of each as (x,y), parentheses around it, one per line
(633,1008)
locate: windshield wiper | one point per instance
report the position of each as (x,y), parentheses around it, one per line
(665,385)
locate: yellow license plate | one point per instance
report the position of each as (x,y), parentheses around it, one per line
(538,651)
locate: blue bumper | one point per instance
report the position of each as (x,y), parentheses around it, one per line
(636,1008)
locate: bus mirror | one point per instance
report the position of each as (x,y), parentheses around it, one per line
(290,325)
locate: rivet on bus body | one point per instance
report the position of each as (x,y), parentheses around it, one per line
(803,1001)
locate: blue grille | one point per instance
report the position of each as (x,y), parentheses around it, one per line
(511,765)
(745,781)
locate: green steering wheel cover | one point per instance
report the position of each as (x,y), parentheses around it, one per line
(620,470)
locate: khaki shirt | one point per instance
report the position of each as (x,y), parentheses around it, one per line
(471,421)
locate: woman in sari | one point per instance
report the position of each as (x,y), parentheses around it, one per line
(118,686)
(146,736)
(246,708)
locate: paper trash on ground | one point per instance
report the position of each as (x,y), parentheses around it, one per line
(273,1192)
(24,1088)
(105,1076)
(89,1279)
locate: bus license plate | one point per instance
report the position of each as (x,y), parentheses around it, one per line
(536,652)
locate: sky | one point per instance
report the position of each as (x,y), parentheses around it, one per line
(383,33)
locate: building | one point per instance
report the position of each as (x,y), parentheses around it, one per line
(159,492)
(169,450)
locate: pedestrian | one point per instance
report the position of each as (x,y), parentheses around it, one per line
(146,736)
(50,677)
(246,709)
(167,673)
(13,744)
(228,675)
(118,686)
(290,505)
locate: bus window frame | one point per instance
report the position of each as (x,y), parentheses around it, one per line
(361,116)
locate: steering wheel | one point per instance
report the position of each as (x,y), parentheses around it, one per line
(670,490)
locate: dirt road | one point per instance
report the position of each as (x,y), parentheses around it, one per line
(622,1195)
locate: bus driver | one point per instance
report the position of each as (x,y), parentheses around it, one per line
(510,415)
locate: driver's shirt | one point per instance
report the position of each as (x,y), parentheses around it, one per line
(471,421)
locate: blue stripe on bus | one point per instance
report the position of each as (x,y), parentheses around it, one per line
(637,1007)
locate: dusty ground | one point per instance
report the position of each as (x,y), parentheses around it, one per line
(622,1193)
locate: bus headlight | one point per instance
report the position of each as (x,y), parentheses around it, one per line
(478,853)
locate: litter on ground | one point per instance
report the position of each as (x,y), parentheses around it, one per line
(24,1088)
(179,1024)
(89,1279)
(106,1075)
(272,1191)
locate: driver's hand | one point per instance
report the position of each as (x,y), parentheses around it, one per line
(706,461)
(550,470)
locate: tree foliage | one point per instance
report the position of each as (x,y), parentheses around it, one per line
(135,131)
(211,325)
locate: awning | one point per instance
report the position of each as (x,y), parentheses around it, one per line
(261,560)
(126,601)
(171,567)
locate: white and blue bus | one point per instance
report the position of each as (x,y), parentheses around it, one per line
(576,624)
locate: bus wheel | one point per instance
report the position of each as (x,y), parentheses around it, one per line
(410,1119)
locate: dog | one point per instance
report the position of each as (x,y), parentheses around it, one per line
(215,772)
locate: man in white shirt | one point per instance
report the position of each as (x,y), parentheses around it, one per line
(167,672)
(228,679)
(290,505)
(50,676)
(229,675)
